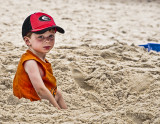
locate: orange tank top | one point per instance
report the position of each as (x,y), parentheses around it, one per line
(22,86)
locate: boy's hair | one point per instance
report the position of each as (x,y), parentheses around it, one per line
(29,34)
(39,23)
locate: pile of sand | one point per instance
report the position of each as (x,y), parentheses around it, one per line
(105,77)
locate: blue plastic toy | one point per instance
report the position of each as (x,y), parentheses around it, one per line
(152,46)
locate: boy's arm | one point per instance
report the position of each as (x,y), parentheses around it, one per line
(31,67)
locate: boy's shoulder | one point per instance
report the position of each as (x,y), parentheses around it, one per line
(28,55)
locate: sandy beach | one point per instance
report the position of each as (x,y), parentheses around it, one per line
(105,77)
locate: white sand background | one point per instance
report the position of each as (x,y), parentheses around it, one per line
(105,77)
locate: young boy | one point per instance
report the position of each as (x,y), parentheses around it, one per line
(34,78)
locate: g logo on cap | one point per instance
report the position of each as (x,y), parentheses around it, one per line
(44,18)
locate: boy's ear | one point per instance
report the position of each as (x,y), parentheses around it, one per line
(27,40)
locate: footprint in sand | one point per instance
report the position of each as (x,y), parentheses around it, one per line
(79,78)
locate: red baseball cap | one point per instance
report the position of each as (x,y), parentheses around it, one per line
(39,23)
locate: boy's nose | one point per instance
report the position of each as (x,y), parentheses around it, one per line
(47,39)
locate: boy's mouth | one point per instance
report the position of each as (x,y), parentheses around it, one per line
(47,47)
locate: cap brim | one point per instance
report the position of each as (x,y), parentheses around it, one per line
(59,29)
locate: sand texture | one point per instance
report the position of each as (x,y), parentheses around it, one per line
(105,77)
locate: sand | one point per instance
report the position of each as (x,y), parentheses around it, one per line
(105,77)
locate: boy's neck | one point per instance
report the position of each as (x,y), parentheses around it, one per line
(39,55)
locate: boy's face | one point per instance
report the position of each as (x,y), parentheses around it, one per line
(41,43)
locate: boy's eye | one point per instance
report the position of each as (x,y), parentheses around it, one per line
(40,37)
(51,36)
